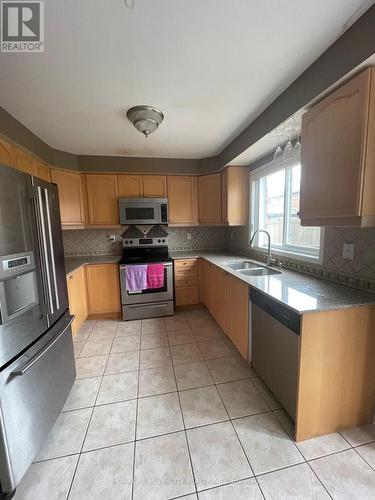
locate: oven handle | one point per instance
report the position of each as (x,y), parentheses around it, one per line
(165,264)
(140,306)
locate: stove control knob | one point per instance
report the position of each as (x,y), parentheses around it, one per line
(159,241)
(131,242)
(126,242)
(163,240)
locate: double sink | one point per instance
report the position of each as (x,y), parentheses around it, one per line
(249,268)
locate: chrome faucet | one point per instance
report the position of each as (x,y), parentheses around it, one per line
(270,261)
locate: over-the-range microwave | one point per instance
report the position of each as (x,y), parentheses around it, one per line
(143,211)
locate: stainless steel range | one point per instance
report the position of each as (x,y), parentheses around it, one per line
(153,302)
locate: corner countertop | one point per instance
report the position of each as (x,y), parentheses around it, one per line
(300,292)
(73,263)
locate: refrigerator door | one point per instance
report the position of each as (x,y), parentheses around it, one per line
(33,390)
(23,307)
(52,251)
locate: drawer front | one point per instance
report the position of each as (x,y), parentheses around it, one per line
(185,264)
(186,281)
(187,296)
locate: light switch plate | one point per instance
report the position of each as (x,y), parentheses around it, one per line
(348,251)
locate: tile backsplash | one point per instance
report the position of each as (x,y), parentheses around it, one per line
(359,272)
(96,241)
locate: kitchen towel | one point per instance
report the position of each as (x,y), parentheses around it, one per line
(136,278)
(155,275)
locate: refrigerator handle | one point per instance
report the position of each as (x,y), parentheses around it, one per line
(52,249)
(45,249)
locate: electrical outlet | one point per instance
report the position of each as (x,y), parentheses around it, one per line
(112,237)
(348,251)
(188,236)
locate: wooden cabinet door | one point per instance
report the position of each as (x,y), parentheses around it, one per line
(102,199)
(23,161)
(209,198)
(6,153)
(130,186)
(154,186)
(218,284)
(237,298)
(182,200)
(41,170)
(70,197)
(103,289)
(333,145)
(77,293)
(235,196)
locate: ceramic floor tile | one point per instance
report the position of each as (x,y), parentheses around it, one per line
(271,400)
(158,415)
(206,333)
(124,362)
(152,340)
(156,381)
(83,393)
(286,422)
(322,445)
(346,476)
(104,473)
(202,406)
(126,343)
(176,322)
(67,434)
(217,455)
(185,353)
(367,452)
(162,468)
(192,375)
(153,325)
(226,369)
(118,387)
(110,425)
(40,481)
(212,349)
(181,337)
(266,444)
(198,318)
(241,398)
(359,435)
(90,367)
(293,483)
(104,330)
(247,489)
(96,348)
(129,328)
(77,346)
(155,358)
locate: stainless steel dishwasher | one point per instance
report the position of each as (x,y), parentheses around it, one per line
(275,332)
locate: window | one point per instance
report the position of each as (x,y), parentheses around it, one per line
(275,194)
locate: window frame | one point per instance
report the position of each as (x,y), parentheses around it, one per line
(287,250)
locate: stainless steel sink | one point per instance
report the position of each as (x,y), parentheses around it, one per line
(259,271)
(241,264)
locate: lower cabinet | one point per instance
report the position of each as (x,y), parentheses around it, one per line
(186,282)
(77,293)
(103,289)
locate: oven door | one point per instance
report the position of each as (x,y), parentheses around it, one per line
(152,295)
(140,211)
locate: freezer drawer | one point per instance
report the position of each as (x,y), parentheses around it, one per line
(33,390)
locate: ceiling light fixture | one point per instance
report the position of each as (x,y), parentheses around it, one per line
(146,119)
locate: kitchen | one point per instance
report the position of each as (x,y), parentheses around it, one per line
(189,311)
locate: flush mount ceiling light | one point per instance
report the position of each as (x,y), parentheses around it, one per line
(146,119)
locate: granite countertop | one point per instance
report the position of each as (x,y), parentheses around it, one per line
(73,263)
(300,292)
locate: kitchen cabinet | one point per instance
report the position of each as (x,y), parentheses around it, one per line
(103,290)
(70,198)
(235,196)
(209,199)
(338,156)
(154,186)
(6,152)
(102,199)
(41,170)
(237,293)
(23,161)
(77,294)
(129,186)
(186,282)
(218,299)
(182,200)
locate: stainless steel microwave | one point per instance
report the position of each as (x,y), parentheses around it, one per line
(143,211)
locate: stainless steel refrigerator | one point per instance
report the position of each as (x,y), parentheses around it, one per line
(37,367)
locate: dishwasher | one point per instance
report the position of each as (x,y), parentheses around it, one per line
(275,335)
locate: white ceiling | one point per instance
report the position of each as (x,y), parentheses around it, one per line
(211,66)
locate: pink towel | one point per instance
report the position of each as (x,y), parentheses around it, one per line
(136,278)
(155,276)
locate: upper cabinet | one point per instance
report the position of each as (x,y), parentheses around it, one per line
(102,199)
(182,200)
(41,170)
(209,200)
(6,152)
(148,186)
(338,157)
(70,197)
(23,161)
(235,196)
